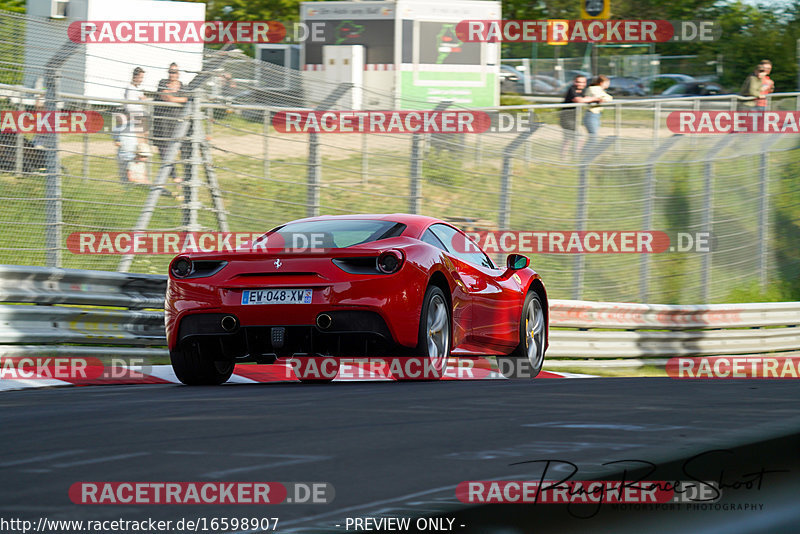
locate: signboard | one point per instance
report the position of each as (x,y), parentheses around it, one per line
(377,36)
(595,9)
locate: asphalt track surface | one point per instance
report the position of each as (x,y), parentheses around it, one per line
(396,449)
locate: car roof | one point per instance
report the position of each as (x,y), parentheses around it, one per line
(415,223)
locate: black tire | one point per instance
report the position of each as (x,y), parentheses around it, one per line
(196,365)
(525,363)
(433,346)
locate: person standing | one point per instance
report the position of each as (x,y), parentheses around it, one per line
(751,89)
(597,92)
(128,135)
(165,118)
(133,91)
(767,85)
(568,116)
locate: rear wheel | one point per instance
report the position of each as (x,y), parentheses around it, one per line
(433,345)
(527,359)
(196,364)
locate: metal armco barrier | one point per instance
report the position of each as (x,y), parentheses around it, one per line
(663,331)
(78,312)
(71,311)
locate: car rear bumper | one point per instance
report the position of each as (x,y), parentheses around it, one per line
(395,300)
(342,333)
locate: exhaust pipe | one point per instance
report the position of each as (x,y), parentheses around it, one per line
(229,323)
(324,321)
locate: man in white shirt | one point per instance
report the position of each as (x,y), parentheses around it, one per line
(132,134)
(134,92)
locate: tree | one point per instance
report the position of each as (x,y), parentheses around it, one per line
(17,6)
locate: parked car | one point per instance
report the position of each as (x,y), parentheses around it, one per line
(397,285)
(626,86)
(694,89)
(569,75)
(513,81)
(660,82)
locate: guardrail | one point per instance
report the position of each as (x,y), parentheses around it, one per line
(621,330)
(79,312)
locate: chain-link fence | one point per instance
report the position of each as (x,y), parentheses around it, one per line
(215,162)
(633,75)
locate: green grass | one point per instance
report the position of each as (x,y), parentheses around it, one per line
(646,370)
(544,196)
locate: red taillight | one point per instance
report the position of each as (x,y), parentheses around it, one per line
(181,267)
(390,261)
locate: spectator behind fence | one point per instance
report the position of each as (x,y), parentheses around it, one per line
(597,91)
(129,137)
(133,91)
(767,85)
(567,116)
(165,118)
(752,89)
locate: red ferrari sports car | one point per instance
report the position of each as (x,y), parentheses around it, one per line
(369,286)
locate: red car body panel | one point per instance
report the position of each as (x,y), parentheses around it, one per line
(486,303)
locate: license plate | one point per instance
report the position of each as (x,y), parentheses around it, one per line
(276,296)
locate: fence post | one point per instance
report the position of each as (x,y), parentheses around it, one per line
(85,166)
(583,210)
(191,200)
(315,156)
(708,213)
(696,109)
(265,141)
(578,108)
(314,174)
(526,76)
(504,211)
(20,152)
(763,212)
(649,208)
(364,159)
(415,174)
(415,169)
(53,204)
(656,120)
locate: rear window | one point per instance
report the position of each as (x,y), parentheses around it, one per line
(340,233)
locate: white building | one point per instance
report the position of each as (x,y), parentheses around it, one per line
(405,48)
(103,70)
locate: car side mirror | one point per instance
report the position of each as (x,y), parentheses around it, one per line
(516,262)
